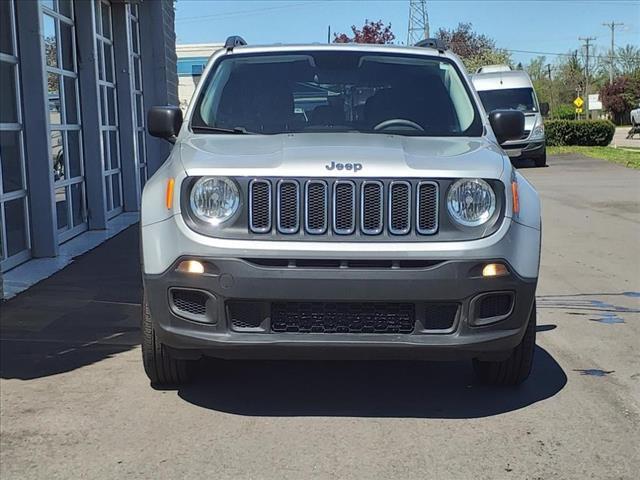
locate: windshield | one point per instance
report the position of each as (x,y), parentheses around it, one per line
(336,92)
(522,99)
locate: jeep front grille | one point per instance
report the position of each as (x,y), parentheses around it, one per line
(260,200)
(343,207)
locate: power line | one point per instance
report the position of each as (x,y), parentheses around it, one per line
(557,54)
(236,13)
(612,26)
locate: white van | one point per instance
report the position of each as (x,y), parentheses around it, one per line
(502,88)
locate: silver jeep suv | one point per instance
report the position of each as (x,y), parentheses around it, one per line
(338,201)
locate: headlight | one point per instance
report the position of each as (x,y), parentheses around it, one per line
(471,201)
(538,132)
(214,199)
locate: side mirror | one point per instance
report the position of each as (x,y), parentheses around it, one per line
(164,122)
(507,124)
(544,109)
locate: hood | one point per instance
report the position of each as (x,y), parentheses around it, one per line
(340,155)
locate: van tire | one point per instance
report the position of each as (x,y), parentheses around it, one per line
(161,368)
(541,161)
(516,368)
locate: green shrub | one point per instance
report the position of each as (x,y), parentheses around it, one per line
(589,133)
(564,111)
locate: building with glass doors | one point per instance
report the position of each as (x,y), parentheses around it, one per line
(76,78)
(192,58)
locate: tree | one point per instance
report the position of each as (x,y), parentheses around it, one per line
(537,69)
(629,60)
(569,77)
(474,49)
(543,84)
(371,32)
(621,97)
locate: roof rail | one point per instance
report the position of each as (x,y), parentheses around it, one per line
(432,43)
(234,41)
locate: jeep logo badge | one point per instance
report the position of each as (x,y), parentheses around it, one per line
(355,167)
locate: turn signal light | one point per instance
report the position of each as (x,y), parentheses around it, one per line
(516,198)
(494,270)
(169,195)
(191,266)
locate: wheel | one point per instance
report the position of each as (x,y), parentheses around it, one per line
(161,368)
(517,367)
(541,161)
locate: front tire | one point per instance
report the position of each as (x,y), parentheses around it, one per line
(541,161)
(517,367)
(161,368)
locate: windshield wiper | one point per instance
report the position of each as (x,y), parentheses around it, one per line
(234,130)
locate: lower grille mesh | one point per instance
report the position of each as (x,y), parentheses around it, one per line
(189,301)
(495,305)
(333,317)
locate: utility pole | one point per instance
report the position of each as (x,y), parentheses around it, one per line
(587,45)
(551,95)
(612,26)
(418,22)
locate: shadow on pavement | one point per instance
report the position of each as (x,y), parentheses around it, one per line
(90,311)
(524,163)
(83,314)
(364,389)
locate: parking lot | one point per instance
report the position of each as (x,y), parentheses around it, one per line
(75,402)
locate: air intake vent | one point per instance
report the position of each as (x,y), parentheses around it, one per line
(440,316)
(399,208)
(495,305)
(344,207)
(316,207)
(427,208)
(329,317)
(260,202)
(288,206)
(189,301)
(371,204)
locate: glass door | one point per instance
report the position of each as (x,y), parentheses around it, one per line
(137,100)
(108,104)
(14,208)
(65,137)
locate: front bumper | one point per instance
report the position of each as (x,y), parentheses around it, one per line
(231,280)
(527,149)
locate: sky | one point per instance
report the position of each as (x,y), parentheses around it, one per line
(551,26)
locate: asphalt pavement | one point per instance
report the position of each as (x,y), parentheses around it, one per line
(75,403)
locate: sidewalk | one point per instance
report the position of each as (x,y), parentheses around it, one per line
(83,314)
(620,138)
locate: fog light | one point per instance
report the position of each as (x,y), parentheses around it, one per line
(191,266)
(494,270)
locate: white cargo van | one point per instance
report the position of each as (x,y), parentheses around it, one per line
(501,88)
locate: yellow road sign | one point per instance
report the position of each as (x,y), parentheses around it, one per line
(578,102)
(578,110)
